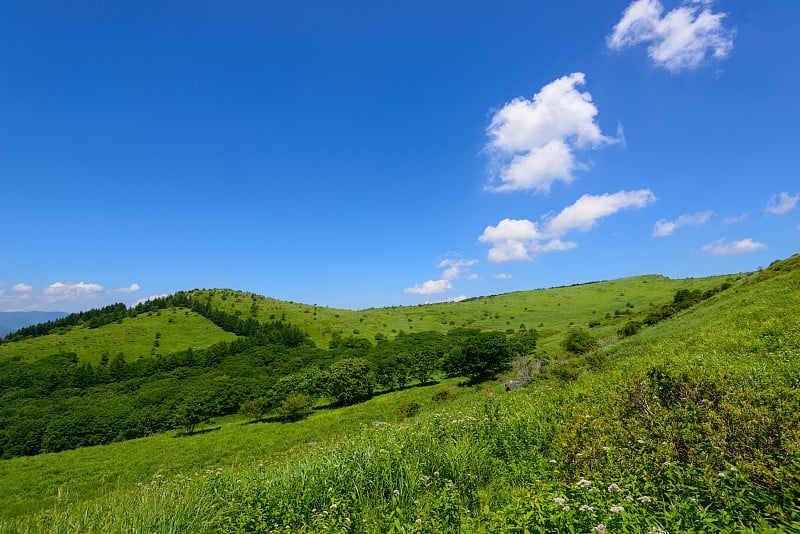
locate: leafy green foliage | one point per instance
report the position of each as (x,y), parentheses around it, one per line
(477,355)
(579,341)
(349,380)
(295,407)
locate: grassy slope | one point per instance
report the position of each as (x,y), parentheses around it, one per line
(134,337)
(750,329)
(549,309)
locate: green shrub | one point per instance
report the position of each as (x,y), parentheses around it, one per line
(408,410)
(579,341)
(295,407)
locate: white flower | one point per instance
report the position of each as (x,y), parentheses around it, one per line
(583,483)
(436,473)
(656,530)
(628,499)
(586,508)
(418,521)
(667,464)
(600,529)
(645,499)
(606,449)
(553,462)
(614,487)
(396,492)
(558,500)
(333,506)
(617,509)
(566,508)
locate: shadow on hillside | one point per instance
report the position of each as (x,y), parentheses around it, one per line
(335,405)
(196,432)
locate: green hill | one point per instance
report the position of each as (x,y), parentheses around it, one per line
(691,424)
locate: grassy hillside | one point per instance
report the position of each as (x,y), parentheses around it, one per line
(177,329)
(691,425)
(552,310)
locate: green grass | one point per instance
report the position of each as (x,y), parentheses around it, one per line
(552,310)
(179,329)
(716,450)
(35,482)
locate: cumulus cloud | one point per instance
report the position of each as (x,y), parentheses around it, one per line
(59,291)
(679,39)
(451,299)
(133,288)
(781,203)
(148,299)
(21,287)
(664,227)
(533,141)
(455,269)
(734,220)
(723,248)
(503,276)
(515,240)
(430,287)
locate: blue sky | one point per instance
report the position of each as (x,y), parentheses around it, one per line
(378,153)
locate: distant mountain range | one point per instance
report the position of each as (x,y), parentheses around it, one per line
(13,321)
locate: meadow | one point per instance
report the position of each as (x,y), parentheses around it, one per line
(690,425)
(145,335)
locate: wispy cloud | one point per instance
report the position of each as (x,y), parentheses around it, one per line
(430,287)
(781,204)
(503,276)
(723,248)
(133,288)
(522,239)
(451,299)
(22,288)
(455,269)
(66,291)
(679,39)
(734,220)
(665,228)
(533,141)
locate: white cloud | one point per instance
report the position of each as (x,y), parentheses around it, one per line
(781,203)
(515,240)
(588,209)
(474,276)
(148,299)
(664,228)
(59,291)
(132,289)
(721,248)
(679,39)
(532,141)
(734,220)
(503,276)
(455,269)
(431,287)
(21,287)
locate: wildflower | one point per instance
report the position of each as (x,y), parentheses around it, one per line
(657,530)
(628,499)
(606,449)
(667,464)
(418,521)
(617,509)
(330,490)
(396,492)
(614,487)
(436,473)
(239,481)
(347,519)
(566,508)
(333,506)
(312,510)
(553,462)
(645,499)
(586,508)
(600,529)
(641,441)
(583,483)
(721,474)
(558,500)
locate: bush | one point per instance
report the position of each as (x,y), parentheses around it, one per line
(629,328)
(409,409)
(443,395)
(579,341)
(295,407)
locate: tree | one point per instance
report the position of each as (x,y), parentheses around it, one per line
(579,341)
(295,407)
(523,343)
(478,355)
(423,362)
(254,409)
(350,380)
(192,413)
